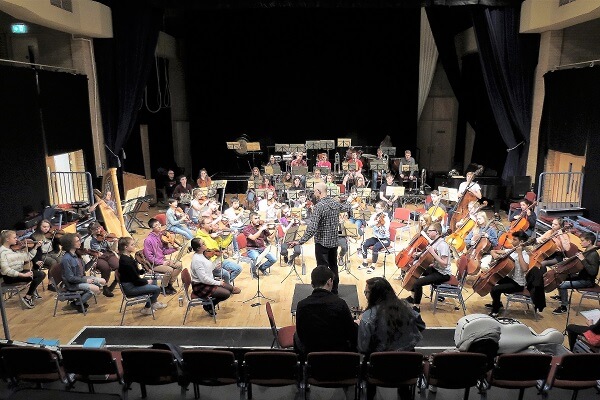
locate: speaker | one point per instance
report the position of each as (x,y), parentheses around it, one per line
(520,186)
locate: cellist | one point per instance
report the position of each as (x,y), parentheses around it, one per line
(557,234)
(526,212)
(584,278)
(469,185)
(482,229)
(439,271)
(514,281)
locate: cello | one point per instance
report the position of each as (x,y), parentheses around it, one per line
(457,239)
(499,269)
(418,243)
(519,224)
(471,260)
(558,273)
(545,249)
(419,266)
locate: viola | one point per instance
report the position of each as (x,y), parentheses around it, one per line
(499,268)
(558,273)
(419,266)
(23,244)
(462,208)
(405,256)
(519,224)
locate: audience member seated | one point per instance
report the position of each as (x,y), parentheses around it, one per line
(155,251)
(130,274)
(591,333)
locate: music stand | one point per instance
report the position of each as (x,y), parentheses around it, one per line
(282,148)
(219,184)
(259,294)
(365,193)
(327,144)
(310,183)
(293,194)
(293,233)
(344,142)
(299,147)
(324,170)
(299,170)
(352,232)
(377,165)
(394,191)
(313,144)
(333,191)
(390,151)
(260,193)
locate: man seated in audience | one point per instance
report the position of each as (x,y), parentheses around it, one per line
(73,274)
(323,320)
(155,251)
(216,242)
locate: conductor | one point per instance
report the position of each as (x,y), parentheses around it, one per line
(323,225)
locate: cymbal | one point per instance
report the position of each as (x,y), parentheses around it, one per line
(369,156)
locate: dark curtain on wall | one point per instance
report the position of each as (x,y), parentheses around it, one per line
(570,124)
(65,111)
(123,64)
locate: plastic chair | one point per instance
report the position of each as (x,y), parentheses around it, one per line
(282,337)
(395,369)
(456,370)
(271,369)
(127,301)
(162,218)
(148,367)
(223,369)
(521,371)
(521,297)
(92,366)
(575,372)
(452,289)
(515,207)
(400,223)
(193,300)
(333,369)
(33,364)
(62,294)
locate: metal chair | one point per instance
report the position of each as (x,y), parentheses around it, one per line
(282,337)
(521,297)
(223,369)
(394,369)
(575,372)
(592,293)
(149,268)
(192,299)
(62,294)
(91,366)
(148,367)
(333,369)
(127,301)
(271,369)
(520,371)
(456,370)
(452,289)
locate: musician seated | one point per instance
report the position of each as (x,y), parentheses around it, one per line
(170,184)
(407,170)
(269,206)
(590,260)
(353,175)
(317,176)
(182,189)
(203,282)
(380,224)
(484,229)
(376,174)
(323,161)
(439,271)
(176,221)
(470,185)
(358,206)
(514,281)
(156,250)
(266,183)
(203,180)
(256,179)
(473,208)
(287,180)
(257,234)
(297,183)
(108,200)
(73,272)
(216,242)
(198,205)
(107,261)
(391,201)
(343,237)
(591,333)
(298,161)
(526,212)
(234,215)
(557,234)
(12,265)
(130,274)
(48,253)
(287,221)
(436,209)
(330,182)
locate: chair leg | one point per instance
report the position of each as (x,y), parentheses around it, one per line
(144,393)
(467,391)
(55,306)
(123,314)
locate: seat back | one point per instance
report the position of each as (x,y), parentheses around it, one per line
(531,196)
(272,321)
(521,367)
(402,214)
(149,366)
(443,371)
(223,367)
(271,368)
(32,364)
(162,218)
(332,368)
(55,273)
(392,368)
(186,279)
(242,241)
(89,364)
(578,367)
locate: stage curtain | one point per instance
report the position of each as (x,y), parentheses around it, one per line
(427,61)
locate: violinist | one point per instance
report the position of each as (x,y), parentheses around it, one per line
(439,271)
(203,180)
(269,206)
(317,176)
(175,223)
(155,251)
(235,216)
(216,243)
(353,174)
(343,238)
(330,182)
(392,200)
(435,208)
(257,238)
(514,281)
(108,260)
(528,213)
(287,180)
(557,234)
(48,253)
(199,202)
(182,189)
(12,265)
(287,221)
(380,224)
(584,278)
(377,174)
(482,229)
(359,205)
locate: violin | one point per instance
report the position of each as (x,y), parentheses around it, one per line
(170,239)
(23,244)
(179,213)
(54,233)
(519,224)
(558,273)
(381,219)
(109,237)
(212,253)
(499,268)
(87,252)
(462,208)
(405,256)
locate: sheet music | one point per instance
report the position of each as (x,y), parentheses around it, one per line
(594,314)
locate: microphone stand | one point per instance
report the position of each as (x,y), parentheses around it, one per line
(385,253)
(293,269)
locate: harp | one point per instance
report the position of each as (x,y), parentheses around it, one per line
(114,220)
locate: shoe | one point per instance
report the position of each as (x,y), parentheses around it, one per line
(290,262)
(417,309)
(489,305)
(370,270)
(410,300)
(341,261)
(86,305)
(170,290)
(36,296)
(235,254)
(28,301)
(493,314)
(146,311)
(559,310)
(555,297)
(236,290)
(210,312)
(265,272)
(441,299)
(107,292)
(77,306)
(432,389)
(159,306)
(364,265)
(51,288)
(286,259)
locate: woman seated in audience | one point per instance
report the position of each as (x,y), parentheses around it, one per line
(203,283)
(12,265)
(131,282)
(388,324)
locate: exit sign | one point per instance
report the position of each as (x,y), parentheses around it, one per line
(19,28)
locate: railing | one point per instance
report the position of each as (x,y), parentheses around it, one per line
(560,192)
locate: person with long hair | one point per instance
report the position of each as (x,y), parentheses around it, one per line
(203,282)
(130,277)
(48,253)
(388,324)
(203,180)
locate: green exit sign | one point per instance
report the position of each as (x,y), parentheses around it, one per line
(19,28)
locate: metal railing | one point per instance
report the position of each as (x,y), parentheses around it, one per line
(559,191)
(71,187)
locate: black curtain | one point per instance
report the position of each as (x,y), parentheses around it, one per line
(570,124)
(123,64)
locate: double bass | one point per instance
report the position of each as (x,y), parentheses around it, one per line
(519,224)
(558,273)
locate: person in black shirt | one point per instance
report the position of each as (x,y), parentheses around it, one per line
(170,183)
